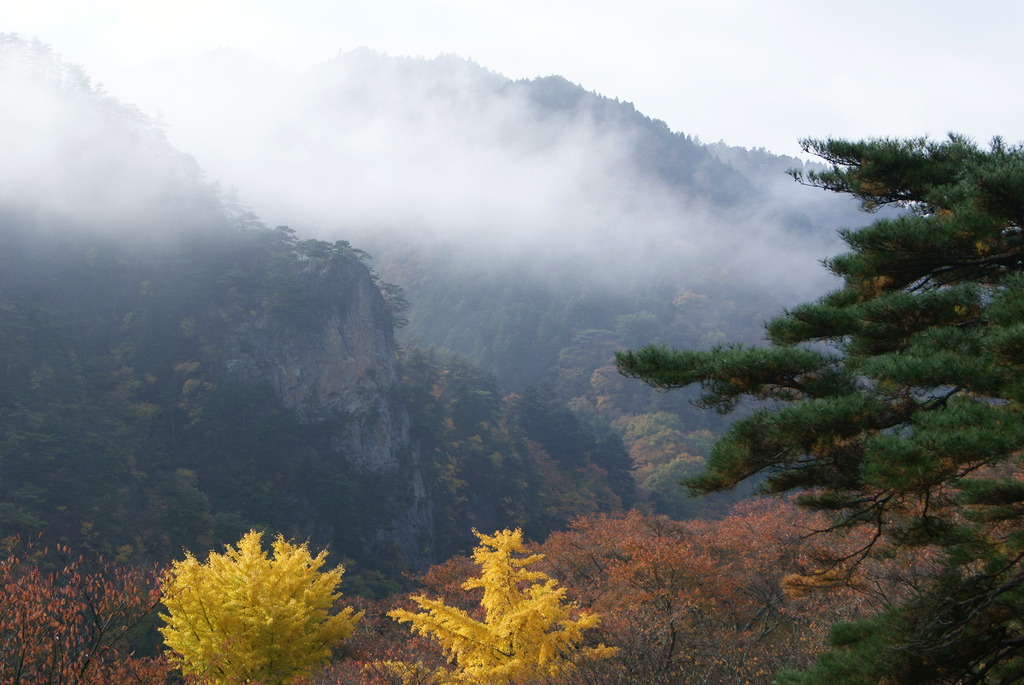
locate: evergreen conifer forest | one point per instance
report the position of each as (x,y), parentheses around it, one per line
(650,440)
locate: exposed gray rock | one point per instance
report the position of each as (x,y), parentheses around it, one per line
(340,363)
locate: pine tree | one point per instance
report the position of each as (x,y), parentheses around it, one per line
(895,403)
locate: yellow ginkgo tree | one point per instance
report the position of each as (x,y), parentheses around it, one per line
(529,629)
(244,617)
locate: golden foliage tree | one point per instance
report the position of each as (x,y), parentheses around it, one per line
(528,630)
(244,617)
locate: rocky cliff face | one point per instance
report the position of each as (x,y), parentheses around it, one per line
(339,368)
(126,283)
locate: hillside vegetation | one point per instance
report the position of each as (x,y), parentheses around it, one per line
(432,360)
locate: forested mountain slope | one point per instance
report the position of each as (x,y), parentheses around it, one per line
(174,372)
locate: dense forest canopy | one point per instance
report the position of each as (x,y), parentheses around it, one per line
(142,413)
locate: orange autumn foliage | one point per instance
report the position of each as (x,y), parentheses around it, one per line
(682,601)
(66,620)
(700,601)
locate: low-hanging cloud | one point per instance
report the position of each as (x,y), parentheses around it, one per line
(440,153)
(370,148)
(74,156)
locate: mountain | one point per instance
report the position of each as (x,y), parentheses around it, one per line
(174,372)
(483,196)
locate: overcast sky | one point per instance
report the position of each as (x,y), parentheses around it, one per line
(749,72)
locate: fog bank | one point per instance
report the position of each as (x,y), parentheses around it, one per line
(378,150)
